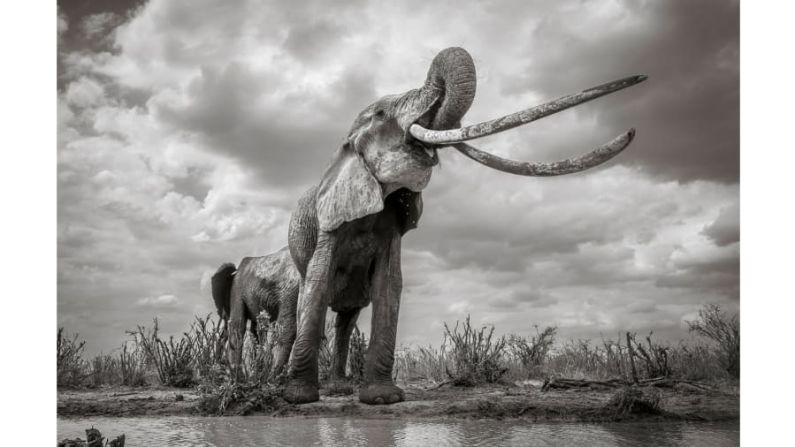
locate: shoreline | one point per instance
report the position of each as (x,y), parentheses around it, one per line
(483,402)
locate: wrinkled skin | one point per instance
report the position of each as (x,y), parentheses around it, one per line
(267,283)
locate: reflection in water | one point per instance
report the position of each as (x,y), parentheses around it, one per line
(266,431)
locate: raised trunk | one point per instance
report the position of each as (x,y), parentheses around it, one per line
(451,82)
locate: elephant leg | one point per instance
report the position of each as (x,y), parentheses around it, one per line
(312,304)
(344,325)
(378,387)
(236,329)
(286,326)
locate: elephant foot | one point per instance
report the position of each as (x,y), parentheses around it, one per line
(380,394)
(297,392)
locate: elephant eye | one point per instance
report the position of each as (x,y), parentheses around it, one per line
(379,114)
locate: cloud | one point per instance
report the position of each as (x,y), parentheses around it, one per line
(726,228)
(99,23)
(158,301)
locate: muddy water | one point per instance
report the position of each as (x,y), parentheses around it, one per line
(266,431)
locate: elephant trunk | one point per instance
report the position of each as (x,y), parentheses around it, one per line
(451,82)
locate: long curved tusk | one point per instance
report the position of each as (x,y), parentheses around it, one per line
(596,157)
(446,137)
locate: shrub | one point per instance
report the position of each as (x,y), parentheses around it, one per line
(209,347)
(723,330)
(356,355)
(132,365)
(532,353)
(477,358)
(422,363)
(103,370)
(629,400)
(70,364)
(258,352)
(235,397)
(173,359)
(654,357)
(325,355)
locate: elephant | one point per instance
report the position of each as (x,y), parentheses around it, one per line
(267,283)
(345,233)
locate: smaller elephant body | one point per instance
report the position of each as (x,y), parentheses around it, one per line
(267,283)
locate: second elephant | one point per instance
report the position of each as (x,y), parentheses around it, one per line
(267,283)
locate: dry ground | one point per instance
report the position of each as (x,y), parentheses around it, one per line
(496,402)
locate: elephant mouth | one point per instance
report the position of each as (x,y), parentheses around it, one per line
(425,154)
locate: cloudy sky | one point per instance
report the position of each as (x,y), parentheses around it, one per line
(187,130)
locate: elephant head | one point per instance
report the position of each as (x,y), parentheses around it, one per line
(381,156)
(345,235)
(393,143)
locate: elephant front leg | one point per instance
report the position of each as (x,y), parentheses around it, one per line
(378,387)
(303,384)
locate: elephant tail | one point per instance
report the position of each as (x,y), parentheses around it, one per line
(222,287)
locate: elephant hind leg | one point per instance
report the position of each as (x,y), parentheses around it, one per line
(286,327)
(237,332)
(344,325)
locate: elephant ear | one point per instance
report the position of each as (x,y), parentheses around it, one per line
(347,191)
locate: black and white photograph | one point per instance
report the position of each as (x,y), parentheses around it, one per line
(394,223)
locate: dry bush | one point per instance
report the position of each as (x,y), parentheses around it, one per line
(653,356)
(476,357)
(132,364)
(325,355)
(173,360)
(71,368)
(578,359)
(356,355)
(209,347)
(258,352)
(725,331)
(532,353)
(634,401)
(104,370)
(696,362)
(422,363)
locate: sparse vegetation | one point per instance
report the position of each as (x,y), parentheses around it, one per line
(173,360)
(476,357)
(531,353)
(467,356)
(724,330)
(132,364)
(70,364)
(356,351)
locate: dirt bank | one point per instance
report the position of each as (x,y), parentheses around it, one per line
(495,402)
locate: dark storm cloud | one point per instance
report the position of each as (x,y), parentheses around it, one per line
(687,114)
(222,107)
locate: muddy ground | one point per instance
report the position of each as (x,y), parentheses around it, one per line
(526,401)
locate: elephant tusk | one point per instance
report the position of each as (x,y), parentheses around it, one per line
(447,137)
(596,157)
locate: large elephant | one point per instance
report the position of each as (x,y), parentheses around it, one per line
(345,235)
(267,283)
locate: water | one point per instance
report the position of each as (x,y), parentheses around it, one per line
(266,431)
